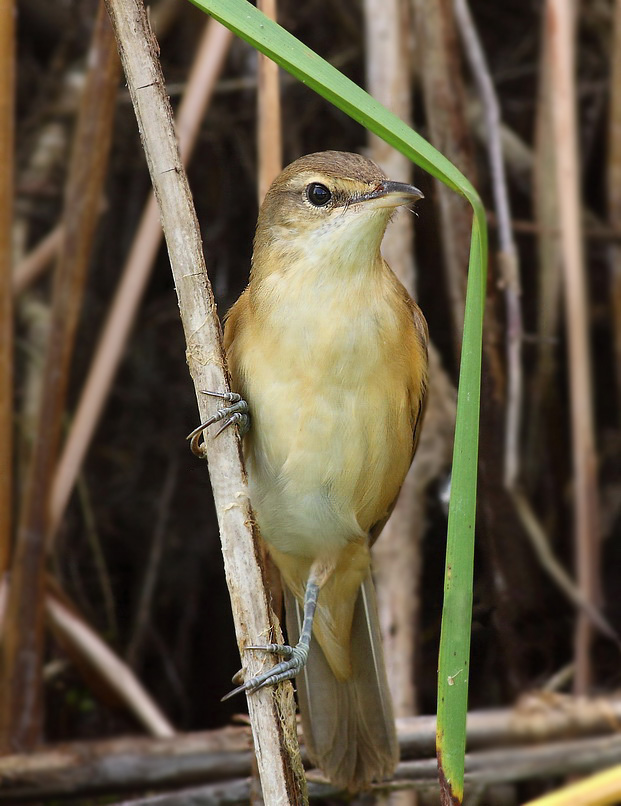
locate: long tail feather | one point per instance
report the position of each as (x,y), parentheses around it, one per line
(349,727)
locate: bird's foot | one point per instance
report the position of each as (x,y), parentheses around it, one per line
(296,657)
(235,412)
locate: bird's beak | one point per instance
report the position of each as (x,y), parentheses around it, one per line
(393,194)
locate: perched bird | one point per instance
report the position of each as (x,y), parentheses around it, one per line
(329,355)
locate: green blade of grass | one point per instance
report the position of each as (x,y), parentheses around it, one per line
(272,40)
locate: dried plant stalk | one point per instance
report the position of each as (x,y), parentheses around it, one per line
(92,650)
(139,763)
(440,73)
(22,648)
(508,260)
(36,262)
(614,188)
(268,114)
(549,287)
(271,710)
(396,556)
(560,31)
(7,138)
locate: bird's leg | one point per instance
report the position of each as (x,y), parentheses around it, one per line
(235,412)
(295,656)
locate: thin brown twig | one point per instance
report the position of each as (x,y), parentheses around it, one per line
(7,142)
(560,31)
(508,259)
(21,656)
(99,558)
(271,711)
(614,189)
(445,106)
(28,270)
(269,165)
(156,552)
(208,63)
(549,282)
(541,544)
(269,130)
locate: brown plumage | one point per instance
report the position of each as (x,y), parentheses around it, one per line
(330,353)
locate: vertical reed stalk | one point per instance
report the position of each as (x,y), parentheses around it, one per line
(7,143)
(269,129)
(560,32)
(22,649)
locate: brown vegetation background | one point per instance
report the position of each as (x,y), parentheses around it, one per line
(136,554)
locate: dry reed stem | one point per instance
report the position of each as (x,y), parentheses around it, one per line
(22,648)
(396,556)
(30,268)
(83,644)
(271,710)
(116,675)
(614,190)
(602,789)
(153,564)
(540,542)
(269,165)
(537,727)
(208,64)
(7,143)
(269,134)
(545,204)
(440,74)
(508,259)
(560,31)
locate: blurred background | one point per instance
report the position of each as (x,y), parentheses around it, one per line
(133,549)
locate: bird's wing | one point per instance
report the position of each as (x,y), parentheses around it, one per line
(417,409)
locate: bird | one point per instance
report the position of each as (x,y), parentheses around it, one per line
(327,354)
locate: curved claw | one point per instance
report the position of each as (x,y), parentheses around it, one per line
(297,655)
(235,691)
(286,670)
(239,417)
(236,412)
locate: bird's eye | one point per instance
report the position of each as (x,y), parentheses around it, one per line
(318,194)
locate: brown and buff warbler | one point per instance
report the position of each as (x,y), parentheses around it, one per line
(328,353)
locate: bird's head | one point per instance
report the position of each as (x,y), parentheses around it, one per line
(328,208)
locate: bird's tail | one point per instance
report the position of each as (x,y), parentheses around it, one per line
(349,726)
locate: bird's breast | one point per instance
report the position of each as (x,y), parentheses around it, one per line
(329,378)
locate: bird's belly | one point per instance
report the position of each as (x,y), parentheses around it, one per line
(327,452)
